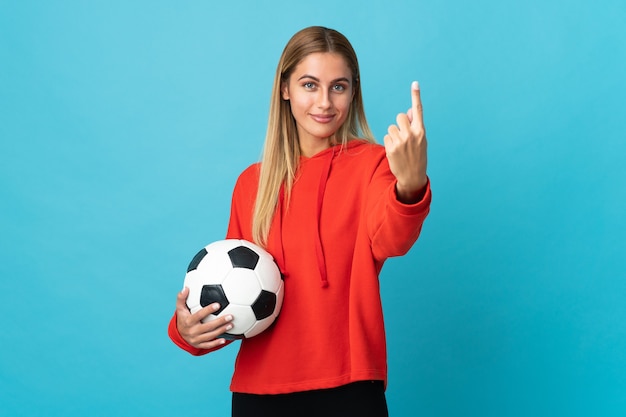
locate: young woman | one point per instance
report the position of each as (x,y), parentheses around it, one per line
(331,206)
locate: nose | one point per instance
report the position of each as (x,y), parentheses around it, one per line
(323,99)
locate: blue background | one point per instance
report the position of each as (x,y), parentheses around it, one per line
(124,125)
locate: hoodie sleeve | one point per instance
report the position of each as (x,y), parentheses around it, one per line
(393,226)
(242,205)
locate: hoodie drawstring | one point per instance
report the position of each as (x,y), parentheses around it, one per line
(319,250)
(278,224)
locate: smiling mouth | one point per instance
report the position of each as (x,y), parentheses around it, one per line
(322,118)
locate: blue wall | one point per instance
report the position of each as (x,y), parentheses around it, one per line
(123,126)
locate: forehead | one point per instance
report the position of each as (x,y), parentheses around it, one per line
(324,66)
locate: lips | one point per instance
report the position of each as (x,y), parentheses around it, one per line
(323,118)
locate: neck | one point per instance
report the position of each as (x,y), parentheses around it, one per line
(312,148)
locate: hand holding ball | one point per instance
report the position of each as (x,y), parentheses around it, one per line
(243,278)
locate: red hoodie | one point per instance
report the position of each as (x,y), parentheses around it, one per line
(342,223)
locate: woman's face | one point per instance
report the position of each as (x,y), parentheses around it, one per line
(320,92)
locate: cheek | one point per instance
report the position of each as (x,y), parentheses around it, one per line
(344,105)
(300,103)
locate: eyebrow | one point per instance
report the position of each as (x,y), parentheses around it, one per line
(318,80)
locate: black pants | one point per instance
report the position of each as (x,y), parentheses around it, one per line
(362,399)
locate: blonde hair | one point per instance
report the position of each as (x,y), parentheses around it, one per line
(281,152)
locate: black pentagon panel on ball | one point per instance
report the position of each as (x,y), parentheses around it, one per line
(264,306)
(196,260)
(213,294)
(243,257)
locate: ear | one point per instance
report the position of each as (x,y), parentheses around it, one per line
(284,90)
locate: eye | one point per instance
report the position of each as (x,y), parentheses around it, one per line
(308,85)
(339,88)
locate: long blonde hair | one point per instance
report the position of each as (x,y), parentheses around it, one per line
(281,152)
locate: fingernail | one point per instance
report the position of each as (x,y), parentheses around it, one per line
(228,318)
(415,85)
(230,326)
(216,307)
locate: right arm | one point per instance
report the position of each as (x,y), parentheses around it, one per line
(187,330)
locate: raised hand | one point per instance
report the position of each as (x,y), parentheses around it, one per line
(405,144)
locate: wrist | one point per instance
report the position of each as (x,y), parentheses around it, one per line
(411,195)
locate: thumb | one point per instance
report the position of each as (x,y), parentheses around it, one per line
(181,302)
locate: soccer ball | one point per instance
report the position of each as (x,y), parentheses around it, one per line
(243,278)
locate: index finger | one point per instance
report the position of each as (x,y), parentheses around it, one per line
(205,312)
(416,104)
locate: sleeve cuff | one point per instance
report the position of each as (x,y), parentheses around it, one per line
(411,209)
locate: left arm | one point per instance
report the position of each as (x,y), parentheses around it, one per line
(397,214)
(405,146)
